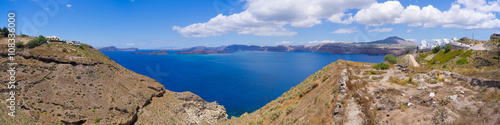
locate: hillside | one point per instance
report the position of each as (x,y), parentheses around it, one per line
(394,40)
(113,48)
(59,83)
(354,93)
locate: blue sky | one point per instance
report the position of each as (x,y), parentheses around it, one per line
(159,24)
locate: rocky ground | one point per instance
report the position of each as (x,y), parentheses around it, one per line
(59,83)
(354,93)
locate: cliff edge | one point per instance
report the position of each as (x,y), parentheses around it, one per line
(58,83)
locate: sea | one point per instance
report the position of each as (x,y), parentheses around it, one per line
(242,81)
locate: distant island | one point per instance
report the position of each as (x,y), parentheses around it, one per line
(152,53)
(113,49)
(202,51)
(390,45)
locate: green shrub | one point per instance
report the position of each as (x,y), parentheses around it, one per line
(447,48)
(97,120)
(64,50)
(373,72)
(381,66)
(19,44)
(436,49)
(36,42)
(391,59)
(462,61)
(440,79)
(78,77)
(81,47)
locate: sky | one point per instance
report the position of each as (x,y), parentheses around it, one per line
(156,24)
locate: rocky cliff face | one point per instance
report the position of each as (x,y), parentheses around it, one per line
(59,83)
(354,93)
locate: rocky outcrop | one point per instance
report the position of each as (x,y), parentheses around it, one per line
(495,37)
(63,84)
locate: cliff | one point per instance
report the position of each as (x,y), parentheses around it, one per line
(62,84)
(354,93)
(391,45)
(113,48)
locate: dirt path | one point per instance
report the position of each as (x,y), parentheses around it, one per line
(353,113)
(415,63)
(478,47)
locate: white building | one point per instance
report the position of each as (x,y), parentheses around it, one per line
(441,42)
(53,38)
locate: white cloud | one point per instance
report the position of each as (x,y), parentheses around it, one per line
(283,42)
(130,44)
(268,18)
(392,12)
(481,5)
(379,13)
(68,5)
(409,30)
(272,17)
(344,31)
(381,30)
(324,41)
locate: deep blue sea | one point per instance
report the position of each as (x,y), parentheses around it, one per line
(241,81)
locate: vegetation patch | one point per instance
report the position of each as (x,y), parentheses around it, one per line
(391,58)
(443,57)
(466,54)
(381,66)
(462,61)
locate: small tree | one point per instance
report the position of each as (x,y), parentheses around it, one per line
(436,49)
(391,58)
(447,48)
(5,32)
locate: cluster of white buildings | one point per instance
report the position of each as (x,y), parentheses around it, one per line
(441,42)
(57,39)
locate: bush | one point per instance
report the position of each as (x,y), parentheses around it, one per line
(64,50)
(447,48)
(462,61)
(381,66)
(436,49)
(81,47)
(408,51)
(391,59)
(36,42)
(19,44)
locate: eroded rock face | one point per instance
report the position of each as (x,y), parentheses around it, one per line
(60,83)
